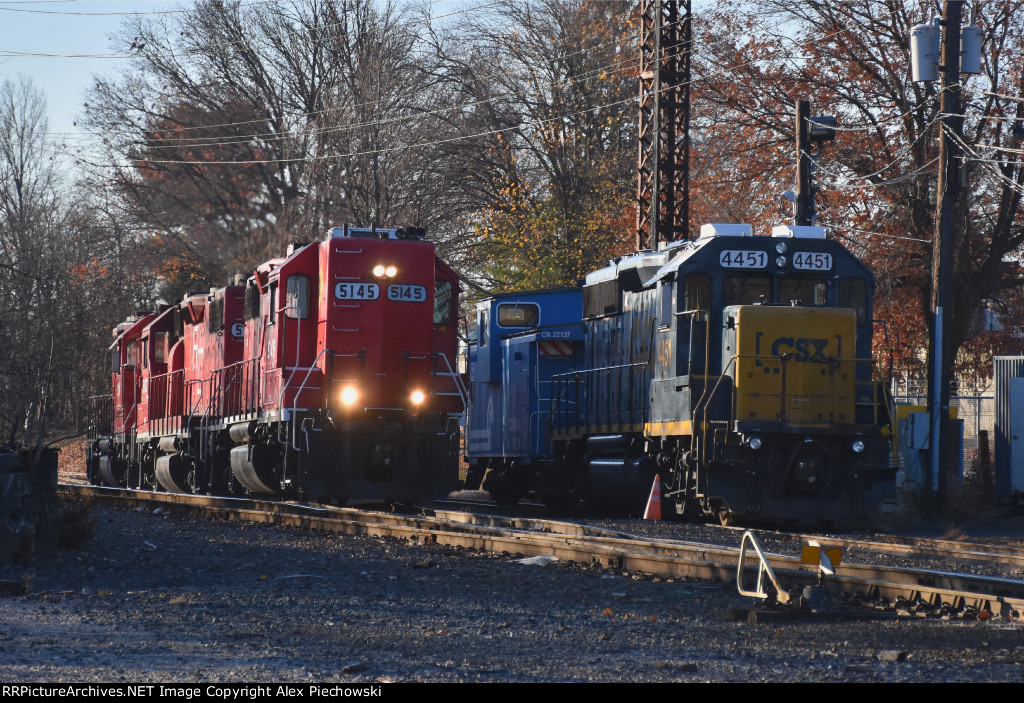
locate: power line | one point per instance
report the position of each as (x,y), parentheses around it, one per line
(858,230)
(872,127)
(349,107)
(535,124)
(997,95)
(1014,185)
(200,142)
(114,14)
(7,53)
(881,184)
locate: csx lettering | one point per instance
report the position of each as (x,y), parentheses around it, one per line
(800,348)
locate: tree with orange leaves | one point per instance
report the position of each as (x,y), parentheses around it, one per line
(878,177)
(552,85)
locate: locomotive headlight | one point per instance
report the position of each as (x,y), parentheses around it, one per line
(349,396)
(780,261)
(379,270)
(781,247)
(391,272)
(417,397)
(857,446)
(754,442)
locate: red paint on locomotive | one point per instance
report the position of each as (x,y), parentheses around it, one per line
(330,374)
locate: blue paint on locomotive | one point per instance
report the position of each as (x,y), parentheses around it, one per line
(509,373)
(530,363)
(651,383)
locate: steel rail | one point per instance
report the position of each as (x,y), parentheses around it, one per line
(923,546)
(585,544)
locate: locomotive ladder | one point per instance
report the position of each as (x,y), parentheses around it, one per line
(460,392)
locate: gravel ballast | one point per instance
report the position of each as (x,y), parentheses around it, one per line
(157,597)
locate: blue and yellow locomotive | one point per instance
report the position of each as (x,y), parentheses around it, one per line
(738,368)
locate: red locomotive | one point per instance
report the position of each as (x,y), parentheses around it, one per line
(329,374)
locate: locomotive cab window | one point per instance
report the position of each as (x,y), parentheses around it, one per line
(518,315)
(665,303)
(698,292)
(747,290)
(273,304)
(853,294)
(442,302)
(296,299)
(800,290)
(160,348)
(481,329)
(133,353)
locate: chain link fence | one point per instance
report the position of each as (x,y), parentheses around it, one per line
(974,405)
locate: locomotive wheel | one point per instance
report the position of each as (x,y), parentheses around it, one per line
(474,477)
(726,517)
(195,480)
(503,487)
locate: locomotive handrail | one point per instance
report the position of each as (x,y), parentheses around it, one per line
(704,387)
(783,392)
(456,378)
(561,390)
(237,368)
(105,403)
(704,425)
(576,376)
(160,384)
(890,402)
(694,315)
(295,401)
(284,355)
(192,413)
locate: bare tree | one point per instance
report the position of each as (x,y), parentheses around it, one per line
(61,280)
(240,128)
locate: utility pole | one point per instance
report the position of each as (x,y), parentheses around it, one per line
(663,180)
(810,132)
(949,194)
(804,195)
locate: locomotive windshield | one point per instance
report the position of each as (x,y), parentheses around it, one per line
(442,302)
(296,305)
(853,294)
(747,290)
(518,315)
(799,290)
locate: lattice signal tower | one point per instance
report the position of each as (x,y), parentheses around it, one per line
(663,190)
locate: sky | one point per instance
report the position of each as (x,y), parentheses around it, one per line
(43,27)
(62,44)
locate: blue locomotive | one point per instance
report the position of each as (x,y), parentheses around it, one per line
(737,368)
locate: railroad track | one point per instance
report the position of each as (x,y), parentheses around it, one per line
(951,550)
(920,590)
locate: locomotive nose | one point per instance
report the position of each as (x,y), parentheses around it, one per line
(807,470)
(381,454)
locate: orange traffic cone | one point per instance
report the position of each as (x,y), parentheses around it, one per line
(653,511)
